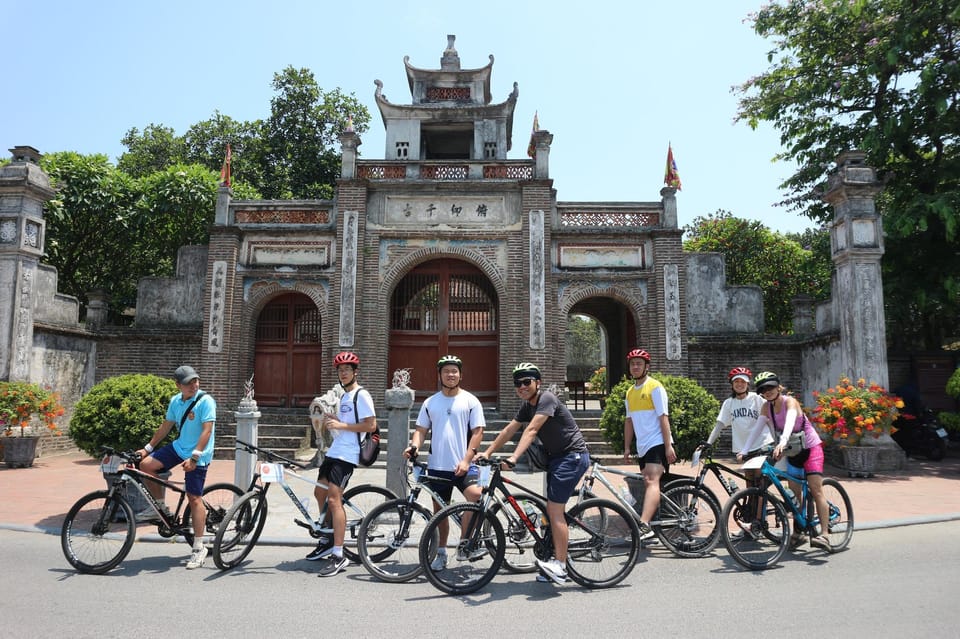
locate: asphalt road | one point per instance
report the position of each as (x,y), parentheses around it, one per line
(893,582)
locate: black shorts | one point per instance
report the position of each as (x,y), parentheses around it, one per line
(656,455)
(336,472)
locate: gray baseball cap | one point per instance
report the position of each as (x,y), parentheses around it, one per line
(185,374)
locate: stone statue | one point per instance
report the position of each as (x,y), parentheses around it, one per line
(401,378)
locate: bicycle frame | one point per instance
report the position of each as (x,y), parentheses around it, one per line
(128,474)
(774,477)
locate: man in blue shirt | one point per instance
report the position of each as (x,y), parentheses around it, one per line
(194,413)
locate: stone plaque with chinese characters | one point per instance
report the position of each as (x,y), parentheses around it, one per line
(450,210)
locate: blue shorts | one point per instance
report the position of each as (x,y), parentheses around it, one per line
(193,480)
(444,489)
(563,474)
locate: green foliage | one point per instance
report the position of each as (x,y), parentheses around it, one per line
(22,402)
(598,381)
(950,421)
(953,385)
(583,344)
(693,412)
(121,412)
(782,266)
(882,77)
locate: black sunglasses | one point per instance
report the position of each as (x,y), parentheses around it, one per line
(526,381)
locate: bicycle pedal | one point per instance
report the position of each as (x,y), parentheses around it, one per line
(303,524)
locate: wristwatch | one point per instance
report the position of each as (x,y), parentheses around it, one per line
(195,458)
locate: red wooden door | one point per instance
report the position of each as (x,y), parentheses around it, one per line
(288,352)
(440,307)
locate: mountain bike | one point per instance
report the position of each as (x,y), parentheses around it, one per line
(603,547)
(100,528)
(755,525)
(244,522)
(686,519)
(389,537)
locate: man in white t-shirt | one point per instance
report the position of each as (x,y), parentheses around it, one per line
(454,419)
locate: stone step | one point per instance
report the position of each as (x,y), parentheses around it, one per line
(290,434)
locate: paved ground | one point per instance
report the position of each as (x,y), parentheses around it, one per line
(37,498)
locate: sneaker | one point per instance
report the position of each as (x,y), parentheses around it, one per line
(553,570)
(334,566)
(473,555)
(439,562)
(821,542)
(324,548)
(196,558)
(797,540)
(646,532)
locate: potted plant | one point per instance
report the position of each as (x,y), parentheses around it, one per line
(857,418)
(27,410)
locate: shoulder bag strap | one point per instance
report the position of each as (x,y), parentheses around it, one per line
(183,418)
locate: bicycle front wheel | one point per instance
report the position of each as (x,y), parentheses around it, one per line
(471,563)
(388,540)
(604,543)
(240,529)
(840,530)
(687,521)
(755,528)
(98,532)
(519,542)
(357,502)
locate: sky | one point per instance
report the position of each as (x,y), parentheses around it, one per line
(615,82)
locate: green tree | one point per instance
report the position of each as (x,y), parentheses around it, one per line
(90,225)
(882,76)
(156,148)
(583,344)
(754,254)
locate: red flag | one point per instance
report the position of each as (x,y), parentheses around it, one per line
(532,147)
(225,171)
(671,176)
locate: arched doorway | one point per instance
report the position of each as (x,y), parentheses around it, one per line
(619,329)
(288,352)
(445,306)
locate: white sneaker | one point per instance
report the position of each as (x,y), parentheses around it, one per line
(196,558)
(553,569)
(439,562)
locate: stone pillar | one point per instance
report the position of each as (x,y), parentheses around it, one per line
(856,239)
(668,197)
(96,309)
(542,141)
(399,400)
(802,315)
(24,188)
(349,141)
(248,420)
(222,212)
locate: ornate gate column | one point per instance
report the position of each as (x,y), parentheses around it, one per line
(856,240)
(24,188)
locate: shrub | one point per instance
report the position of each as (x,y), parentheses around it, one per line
(121,412)
(693,412)
(953,385)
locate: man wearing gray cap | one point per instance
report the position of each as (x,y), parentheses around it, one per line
(194,413)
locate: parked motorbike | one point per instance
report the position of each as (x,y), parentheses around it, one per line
(922,435)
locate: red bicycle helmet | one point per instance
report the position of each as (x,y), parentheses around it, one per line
(346,357)
(638,352)
(740,371)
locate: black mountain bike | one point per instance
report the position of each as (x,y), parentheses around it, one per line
(100,528)
(603,548)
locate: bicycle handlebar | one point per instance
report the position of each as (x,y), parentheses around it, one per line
(270,455)
(129,456)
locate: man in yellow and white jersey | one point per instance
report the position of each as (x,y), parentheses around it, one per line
(648,422)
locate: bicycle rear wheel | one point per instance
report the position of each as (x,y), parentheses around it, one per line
(473,567)
(217,500)
(604,543)
(841,514)
(240,529)
(388,540)
(519,542)
(755,528)
(98,532)
(357,502)
(687,521)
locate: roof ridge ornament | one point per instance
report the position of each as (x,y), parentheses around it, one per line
(450,60)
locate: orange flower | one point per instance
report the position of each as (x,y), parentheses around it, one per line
(846,412)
